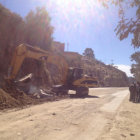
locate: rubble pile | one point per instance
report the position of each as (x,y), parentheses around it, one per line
(12,100)
(9,101)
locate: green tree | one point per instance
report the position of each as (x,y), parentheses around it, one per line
(89,53)
(38,29)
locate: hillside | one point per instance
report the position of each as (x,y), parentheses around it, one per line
(107,75)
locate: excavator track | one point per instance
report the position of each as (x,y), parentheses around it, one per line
(82,91)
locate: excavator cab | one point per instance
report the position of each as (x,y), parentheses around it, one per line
(74,74)
(79,82)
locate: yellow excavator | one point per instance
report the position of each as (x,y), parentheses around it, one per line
(72,79)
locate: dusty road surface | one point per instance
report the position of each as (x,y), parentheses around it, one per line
(69,119)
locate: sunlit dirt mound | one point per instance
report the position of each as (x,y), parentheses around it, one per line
(8,100)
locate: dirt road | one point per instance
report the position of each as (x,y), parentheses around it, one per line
(68,119)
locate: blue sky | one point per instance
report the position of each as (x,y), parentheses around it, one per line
(82,24)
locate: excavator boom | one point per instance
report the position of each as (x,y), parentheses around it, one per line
(26,51)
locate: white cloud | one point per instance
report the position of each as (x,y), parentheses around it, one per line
(125,68)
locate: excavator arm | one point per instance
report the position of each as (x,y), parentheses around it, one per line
(26,51)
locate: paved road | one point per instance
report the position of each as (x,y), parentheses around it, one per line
(69,119)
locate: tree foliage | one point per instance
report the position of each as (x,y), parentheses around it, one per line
(38,28)
(10,35)
(128,25)
(89,53)
(135,70)
(35,30)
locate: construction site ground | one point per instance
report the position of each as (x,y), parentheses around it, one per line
(106,114)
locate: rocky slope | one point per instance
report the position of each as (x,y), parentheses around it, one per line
(107,75)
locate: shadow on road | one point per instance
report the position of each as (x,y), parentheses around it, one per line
(89,96)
